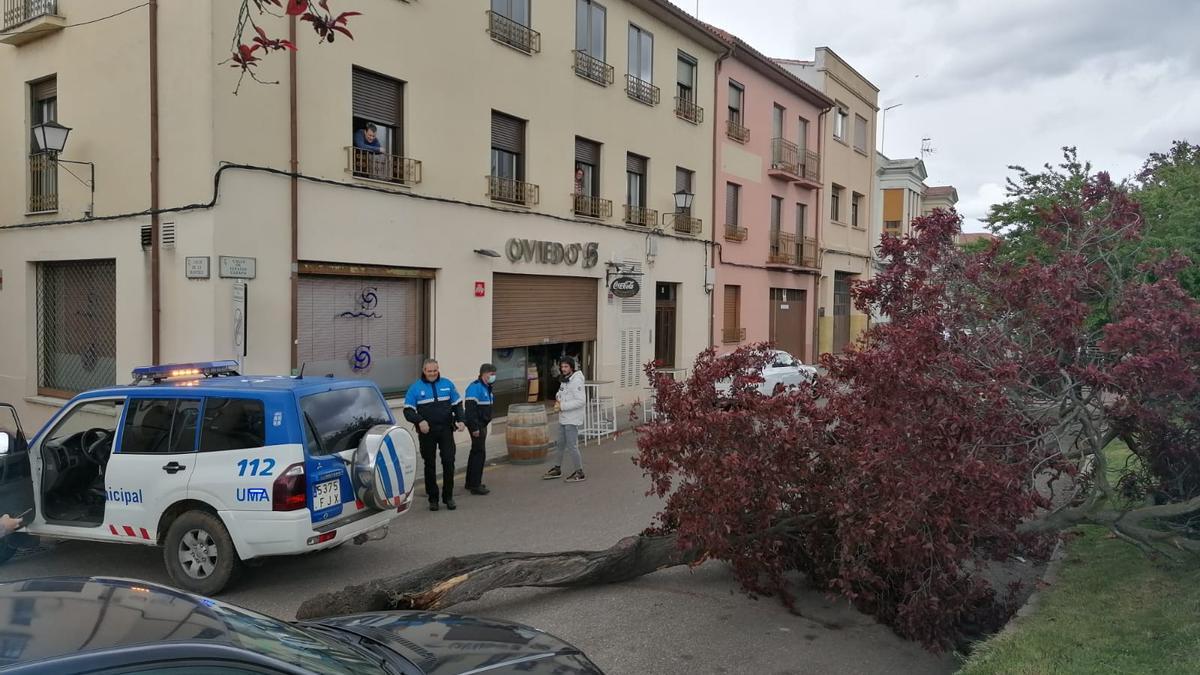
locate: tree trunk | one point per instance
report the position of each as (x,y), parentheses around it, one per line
(460,579)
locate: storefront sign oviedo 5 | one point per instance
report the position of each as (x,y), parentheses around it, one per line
(552,252)
(625,287)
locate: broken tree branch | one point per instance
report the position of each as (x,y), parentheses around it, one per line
(465,578)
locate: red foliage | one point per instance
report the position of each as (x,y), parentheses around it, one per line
(910,464)
(324,22)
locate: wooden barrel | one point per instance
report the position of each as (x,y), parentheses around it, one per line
(528,436)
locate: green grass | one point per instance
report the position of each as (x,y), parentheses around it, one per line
(1110,611)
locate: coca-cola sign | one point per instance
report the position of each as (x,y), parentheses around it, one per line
(625,287)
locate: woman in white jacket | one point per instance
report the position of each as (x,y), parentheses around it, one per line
(569,404)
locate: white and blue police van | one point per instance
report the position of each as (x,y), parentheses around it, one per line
(215,467)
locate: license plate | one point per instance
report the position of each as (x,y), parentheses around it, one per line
(327,494)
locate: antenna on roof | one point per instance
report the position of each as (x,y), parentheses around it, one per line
(927,147)
(300,376)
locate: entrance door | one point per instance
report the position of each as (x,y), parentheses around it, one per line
(664,324)
(788,309)
(155,461)
(16,481)
(841,311)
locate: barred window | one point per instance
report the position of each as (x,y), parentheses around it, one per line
(76,326)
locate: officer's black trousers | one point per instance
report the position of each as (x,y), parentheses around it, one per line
(431,443)
(475,459)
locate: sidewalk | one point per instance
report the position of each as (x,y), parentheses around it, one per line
(497,450)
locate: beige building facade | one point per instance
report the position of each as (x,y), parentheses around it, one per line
(848,171)
(524,158)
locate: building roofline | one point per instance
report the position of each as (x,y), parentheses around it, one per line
(666,11)
(767,66)
(852,69)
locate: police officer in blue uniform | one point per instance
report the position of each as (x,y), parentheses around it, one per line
(479,402)
(434,407)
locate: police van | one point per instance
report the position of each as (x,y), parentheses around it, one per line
(215,467)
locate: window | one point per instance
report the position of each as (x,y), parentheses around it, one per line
(733,315)
(840,120)
(777,121)
(776,213)
(99,416)
(860,133)
(336,420)
(376,138)
(43,173)
(508,147)
(641,54)
(683,182)
(686,80)
(801,219)
(733,193)
(587,167)
(802,138)
(835,200)
(587,181)
(855,203)
(892,227)
(737,94)
(158,426)
(76,326)
(514,10)
(590,28)
(378,103)
(232,424)
(635,180)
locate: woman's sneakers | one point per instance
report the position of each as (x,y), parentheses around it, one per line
(577,477)
(554,472)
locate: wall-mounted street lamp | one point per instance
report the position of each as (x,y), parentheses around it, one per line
(683,200)
(487,253)
(51,138)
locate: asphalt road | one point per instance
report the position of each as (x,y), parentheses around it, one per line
(673,621)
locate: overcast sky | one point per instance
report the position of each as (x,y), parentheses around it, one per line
(995,83)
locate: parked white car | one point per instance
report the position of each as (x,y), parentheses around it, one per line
(782,369)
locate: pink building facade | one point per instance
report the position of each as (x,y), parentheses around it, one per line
(767,203)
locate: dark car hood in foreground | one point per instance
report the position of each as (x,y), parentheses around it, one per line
(446,643)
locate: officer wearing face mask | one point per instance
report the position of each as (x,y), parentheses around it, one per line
(478,415)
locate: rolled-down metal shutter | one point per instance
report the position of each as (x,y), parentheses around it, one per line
(532,310)
(635,164)
(377,98)
(508,133)
(587,152)
(44,89)
(733,307)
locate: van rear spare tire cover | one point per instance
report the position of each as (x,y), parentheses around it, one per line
(385,465)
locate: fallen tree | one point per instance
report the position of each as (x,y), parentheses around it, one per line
(465,578)
(927,452)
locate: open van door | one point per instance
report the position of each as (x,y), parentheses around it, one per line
(16,481)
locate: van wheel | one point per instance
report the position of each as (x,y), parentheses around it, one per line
(7,551)
(199,553)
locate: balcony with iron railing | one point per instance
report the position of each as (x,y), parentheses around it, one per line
(382,166)
(591,68)
(731,335)
(642,91)
(513,34)
(510,191)
(591,207)
(43,184)
(640,215)
(687,110)
(792,163)
(784,249)
(809,255)
(684,223)
(737,132)
(736,233)
(28,20)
